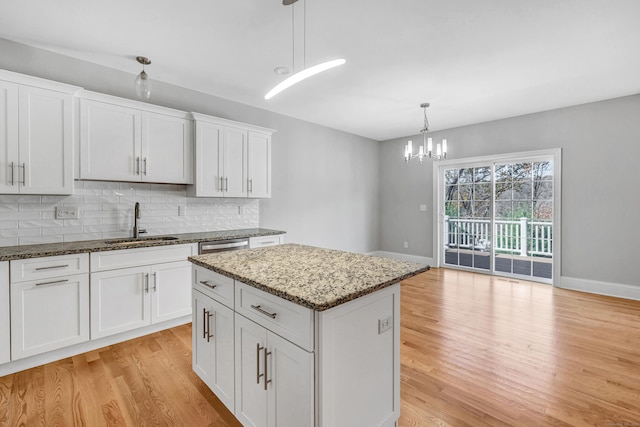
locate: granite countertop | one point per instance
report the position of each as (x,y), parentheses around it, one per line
(312,277)
(8,253)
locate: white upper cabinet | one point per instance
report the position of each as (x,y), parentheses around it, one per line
(36,135)
(259,165)
(232,159)
(122,140)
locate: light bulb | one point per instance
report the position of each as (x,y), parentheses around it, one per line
(429,145)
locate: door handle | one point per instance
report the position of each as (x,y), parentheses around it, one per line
(24,174)
(137,166)
(266,381)
(146,283)
(258,374)
(12,174)
(226,183)
(145,166)
(155,282)
(209,334)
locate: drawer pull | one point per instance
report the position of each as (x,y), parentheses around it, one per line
(206,283)
(52,267)
(266,313)
(51,283)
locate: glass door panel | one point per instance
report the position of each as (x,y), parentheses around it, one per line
(499,218)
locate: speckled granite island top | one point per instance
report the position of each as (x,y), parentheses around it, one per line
(8,253)
(312,277)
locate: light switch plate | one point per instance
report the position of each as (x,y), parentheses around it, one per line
(66,212)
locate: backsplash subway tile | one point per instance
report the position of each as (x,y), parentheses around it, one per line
(105,210)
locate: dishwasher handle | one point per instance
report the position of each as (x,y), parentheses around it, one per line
(222,246)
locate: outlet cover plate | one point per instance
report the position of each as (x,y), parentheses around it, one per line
(66,212)
(385,324)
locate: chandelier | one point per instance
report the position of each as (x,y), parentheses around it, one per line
(426,149)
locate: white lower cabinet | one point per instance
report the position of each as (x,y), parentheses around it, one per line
(5,332)
(131,298)
(296,367)
(212,346)
(274,379)
(48,314)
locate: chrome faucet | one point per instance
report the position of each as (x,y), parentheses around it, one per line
(136,216)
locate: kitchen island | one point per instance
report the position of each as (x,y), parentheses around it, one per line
(295,335)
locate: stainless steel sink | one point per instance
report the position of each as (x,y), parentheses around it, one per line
(147,240)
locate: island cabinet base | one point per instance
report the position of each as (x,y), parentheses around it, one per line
(343,372)
(358,361)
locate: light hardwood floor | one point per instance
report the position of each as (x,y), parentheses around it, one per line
(476,351)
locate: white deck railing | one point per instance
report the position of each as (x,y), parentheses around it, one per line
(522,237)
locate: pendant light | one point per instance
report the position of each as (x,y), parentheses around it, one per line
(426,149)
(305,73)
(143,84)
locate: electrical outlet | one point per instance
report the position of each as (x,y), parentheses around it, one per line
(66,212)
(423,208)
(406,245)
(182,211)
(385,324)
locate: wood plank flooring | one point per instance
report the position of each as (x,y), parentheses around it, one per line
(476,351)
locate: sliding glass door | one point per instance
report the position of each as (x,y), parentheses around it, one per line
(498,217)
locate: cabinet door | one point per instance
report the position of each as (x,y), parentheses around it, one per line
(170,290)
(259,165)
(291,390)
(235,169)
(8,137)
(46,141)
(49,314)
(119,301)
(110,138)
(208,160)
(167,153)
(213,347)
(5,335)
(251,393)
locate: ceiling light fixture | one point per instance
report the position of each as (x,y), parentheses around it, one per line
(305,73)
(426,149)
(143,84)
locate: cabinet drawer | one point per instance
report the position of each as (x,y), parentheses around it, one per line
(287,319)
(215,285)
(125,258)
(261,242)
(46,267)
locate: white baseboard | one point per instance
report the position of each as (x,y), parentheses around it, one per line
(619,290)
(404,257)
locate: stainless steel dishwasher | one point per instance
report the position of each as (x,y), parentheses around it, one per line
(223,245)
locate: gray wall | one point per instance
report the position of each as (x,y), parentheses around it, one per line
(600,183)
(325,182)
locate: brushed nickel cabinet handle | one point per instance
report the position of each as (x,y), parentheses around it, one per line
(53,282)
(155,282)
(24,174)
(204,323)
(52,266)
(258,374)
(12,174)
(146,283)
(266,313)
(137,165)
(145,166)
(206,283)
(250,185)
(209,334)
(226,183)
(266,381)
(220,184)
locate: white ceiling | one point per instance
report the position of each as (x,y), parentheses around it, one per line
(473,60)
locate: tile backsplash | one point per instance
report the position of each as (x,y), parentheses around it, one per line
(105,210)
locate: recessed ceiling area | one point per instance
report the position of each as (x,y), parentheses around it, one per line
(473,61)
